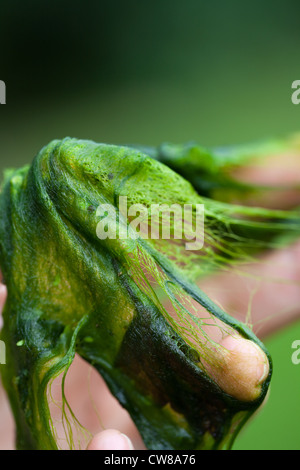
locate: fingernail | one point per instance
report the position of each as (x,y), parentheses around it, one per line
(262,373)
(129,443)
(263,365)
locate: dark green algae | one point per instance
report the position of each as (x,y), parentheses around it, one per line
(69,291)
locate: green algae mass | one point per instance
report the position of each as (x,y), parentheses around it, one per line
(71,292)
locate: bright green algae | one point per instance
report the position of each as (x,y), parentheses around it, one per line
(69,291)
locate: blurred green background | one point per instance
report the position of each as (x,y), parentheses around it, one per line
(218,72)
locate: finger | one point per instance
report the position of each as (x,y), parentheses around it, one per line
(240,367)
(264,294)
(110,439)
(274,170)
(3,295)
(6,422)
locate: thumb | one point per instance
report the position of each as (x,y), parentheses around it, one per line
(110,439)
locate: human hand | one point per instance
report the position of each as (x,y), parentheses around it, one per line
(86,391)
(81,376)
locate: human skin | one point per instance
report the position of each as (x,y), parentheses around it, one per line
(86,391)
(115,421)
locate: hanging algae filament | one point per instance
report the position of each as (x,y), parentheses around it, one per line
(129,307)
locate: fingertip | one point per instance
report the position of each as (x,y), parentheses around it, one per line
(110,439)
(240,368)
(3,295)
(251,356)
(249,366)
